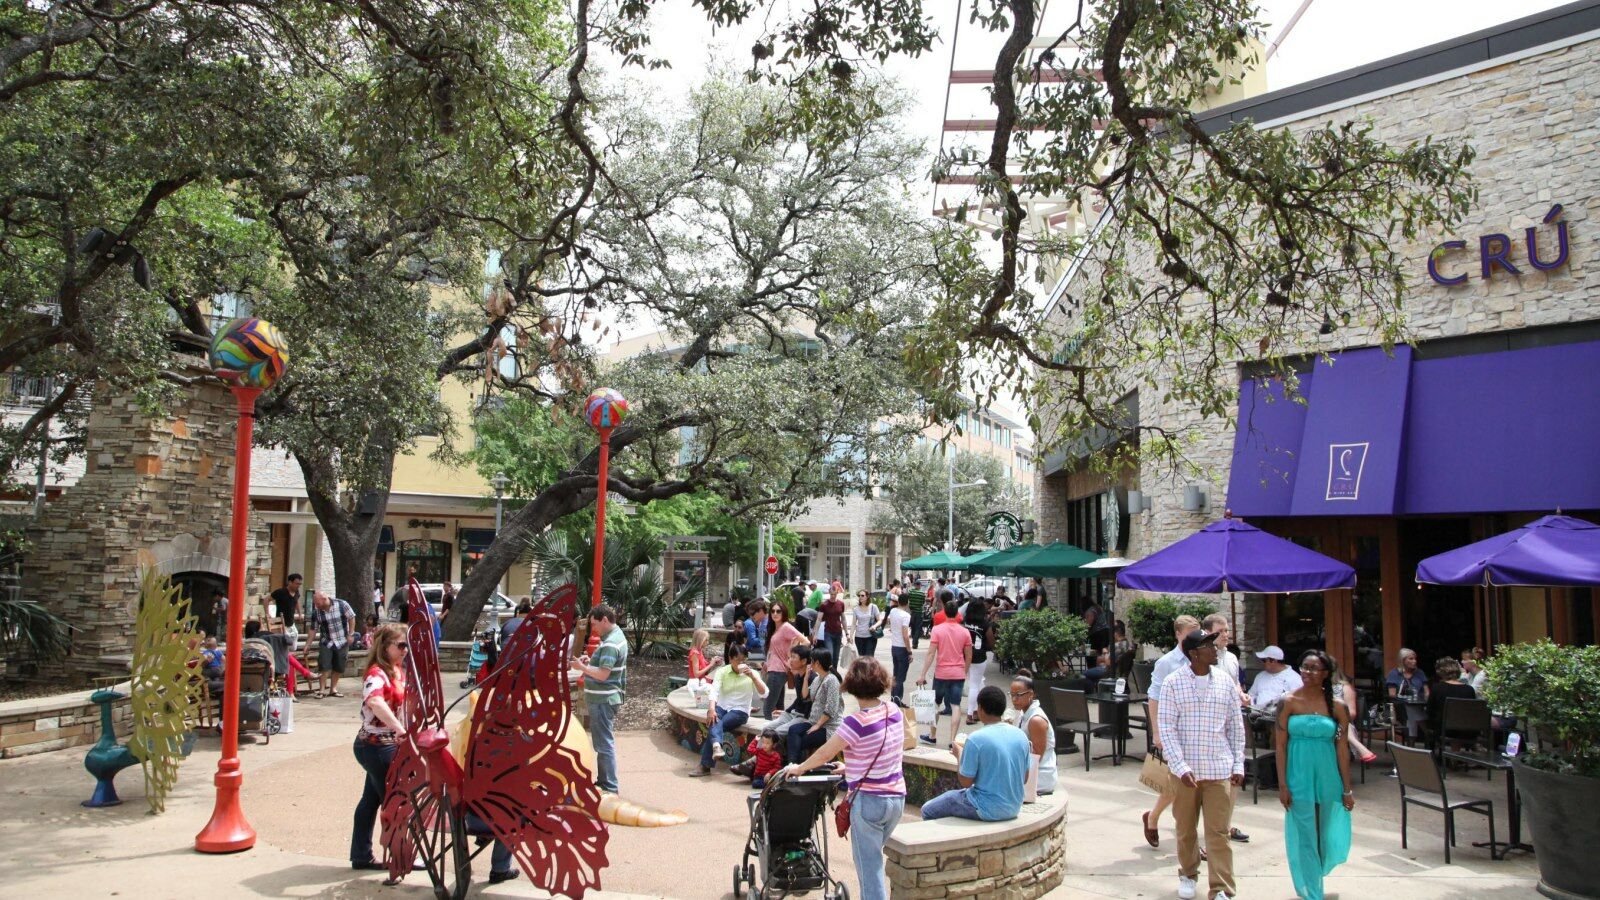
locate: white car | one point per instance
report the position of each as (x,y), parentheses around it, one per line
(434,594)
(983,586)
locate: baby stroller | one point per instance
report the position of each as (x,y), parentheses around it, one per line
(485,653)
(789,836)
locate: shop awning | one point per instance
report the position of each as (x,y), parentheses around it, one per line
(386,539)
(1419,434)
(476,540)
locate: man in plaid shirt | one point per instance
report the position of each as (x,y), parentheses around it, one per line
(334,621)
(1202,734)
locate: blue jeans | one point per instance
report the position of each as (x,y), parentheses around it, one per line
(374,760)
(500,854)
(831,641)
(801,743)
(951,804)
(601,716)
(872,820)
(726,720)
(902,666)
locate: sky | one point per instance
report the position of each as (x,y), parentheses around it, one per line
(1331,36)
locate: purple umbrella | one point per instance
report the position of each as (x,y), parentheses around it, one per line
(1232,555)
(1555,551)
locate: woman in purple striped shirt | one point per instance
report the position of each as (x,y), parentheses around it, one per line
(871,740)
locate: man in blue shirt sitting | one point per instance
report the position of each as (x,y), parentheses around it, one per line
(994,766)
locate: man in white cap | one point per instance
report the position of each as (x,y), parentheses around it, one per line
(1275,682)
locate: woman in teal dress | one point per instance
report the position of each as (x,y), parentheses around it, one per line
(1314,756)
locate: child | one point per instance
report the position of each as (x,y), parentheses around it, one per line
(700,668)
(210,657)
(768,759)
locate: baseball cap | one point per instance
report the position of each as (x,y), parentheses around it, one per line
(1272,651)
(1196,639)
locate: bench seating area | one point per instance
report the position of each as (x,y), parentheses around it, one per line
(1017,860)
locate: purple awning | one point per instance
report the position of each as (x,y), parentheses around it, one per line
(1232,555)
(1420,435)
(1555,551)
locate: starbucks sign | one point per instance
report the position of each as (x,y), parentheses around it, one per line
(1003,530)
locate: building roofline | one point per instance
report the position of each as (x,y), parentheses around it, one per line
(1551,28)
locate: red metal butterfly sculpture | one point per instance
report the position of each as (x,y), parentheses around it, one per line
(533,793)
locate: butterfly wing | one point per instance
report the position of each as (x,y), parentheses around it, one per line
(534,793)
(425,693)
(406,793)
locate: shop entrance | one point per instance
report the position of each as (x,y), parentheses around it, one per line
(1438,620)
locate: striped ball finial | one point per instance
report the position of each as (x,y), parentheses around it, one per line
(605,409)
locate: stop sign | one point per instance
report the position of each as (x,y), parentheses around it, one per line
(772,565)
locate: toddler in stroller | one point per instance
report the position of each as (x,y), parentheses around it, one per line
(789,840)
(485,654)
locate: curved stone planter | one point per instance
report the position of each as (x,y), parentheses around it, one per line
(1016,860)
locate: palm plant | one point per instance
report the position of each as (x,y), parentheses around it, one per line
(29,631)
(631,583)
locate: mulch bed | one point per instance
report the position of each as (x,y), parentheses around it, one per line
(645,706)
(23,690)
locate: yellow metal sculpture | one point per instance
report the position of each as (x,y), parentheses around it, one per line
(165,686)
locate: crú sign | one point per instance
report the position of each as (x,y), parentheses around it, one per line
(1495,251)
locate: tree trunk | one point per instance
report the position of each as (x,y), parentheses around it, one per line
(559,500)
(352,536)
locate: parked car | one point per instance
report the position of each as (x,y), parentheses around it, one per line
(983,586)
(434,594)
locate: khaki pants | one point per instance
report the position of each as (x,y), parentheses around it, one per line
(1214,800)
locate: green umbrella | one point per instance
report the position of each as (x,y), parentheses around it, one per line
(1056,560)
(944,559)
(1000,562)
(968,562)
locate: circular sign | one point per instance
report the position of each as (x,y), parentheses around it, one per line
(772,565)
(1003,531)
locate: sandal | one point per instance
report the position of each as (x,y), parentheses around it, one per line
(335,694)
(316,695)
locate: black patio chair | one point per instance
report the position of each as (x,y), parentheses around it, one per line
(1422,784)
(1073,717)
(1467,727)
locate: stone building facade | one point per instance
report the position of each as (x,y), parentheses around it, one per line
(155,492)
(1524,96)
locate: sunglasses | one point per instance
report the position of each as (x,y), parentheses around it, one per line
(1021,693)
(402,645)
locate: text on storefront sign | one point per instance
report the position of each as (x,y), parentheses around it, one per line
(1496,251)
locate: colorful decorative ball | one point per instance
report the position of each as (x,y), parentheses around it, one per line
(605,409)
(249,352)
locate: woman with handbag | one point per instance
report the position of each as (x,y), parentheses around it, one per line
(865,619)
(872,741)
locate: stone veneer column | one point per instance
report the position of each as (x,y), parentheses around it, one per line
(149,485)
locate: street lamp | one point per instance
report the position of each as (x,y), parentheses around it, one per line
(499,481)
(953,486)
(249,355)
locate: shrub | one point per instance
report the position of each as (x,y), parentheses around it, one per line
(1150,618)
(1551,688)
(1040,638)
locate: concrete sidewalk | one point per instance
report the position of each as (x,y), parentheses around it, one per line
(300,791)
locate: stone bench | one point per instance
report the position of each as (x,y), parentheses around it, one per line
(1016,860)
(39,724)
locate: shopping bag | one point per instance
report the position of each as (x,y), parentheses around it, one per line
(923,703)
(281,707)
(908,721)
(1154,774)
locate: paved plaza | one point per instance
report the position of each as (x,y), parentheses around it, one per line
(301,789)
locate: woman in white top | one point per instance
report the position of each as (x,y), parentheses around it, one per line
(734,689)
(865,618)
(1041,736)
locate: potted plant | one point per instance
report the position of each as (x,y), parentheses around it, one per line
(1041,640)
(1550,690)
(1150,623)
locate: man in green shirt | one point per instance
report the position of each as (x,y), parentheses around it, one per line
(917,601)
(815,599)
(605,679)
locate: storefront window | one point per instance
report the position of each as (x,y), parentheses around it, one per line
(1367,616)
(838,558)
(425,560)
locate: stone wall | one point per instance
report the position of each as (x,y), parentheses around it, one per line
(56,723)
(1010,864)
(154,493)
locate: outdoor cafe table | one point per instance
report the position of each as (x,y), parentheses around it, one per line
(1497,762)
(1114,711)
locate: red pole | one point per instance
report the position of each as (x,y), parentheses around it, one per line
(600,514)
(228,831)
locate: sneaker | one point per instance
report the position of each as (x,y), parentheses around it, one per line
(1186,887)
(1222,895)
(1237,835)
(700,772)
(498,877)
(717,751)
